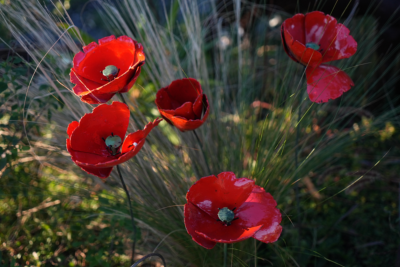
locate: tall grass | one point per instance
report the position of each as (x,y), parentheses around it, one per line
(258,102)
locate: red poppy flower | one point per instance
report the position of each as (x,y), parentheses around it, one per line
(107,68)
(182,103)
(225,209)
(316,38)
(97,142)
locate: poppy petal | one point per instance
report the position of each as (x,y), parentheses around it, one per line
(343,46)
(163,101)
(319,29)
(96,98)
(86,161)
(218,232)
(269,234)
(198,106)
(260,209)
(185,111)
(212,193)
(138,136)
(71,127)
(326,82)
(304,55)
(194,218)
(183,124)
(83,86)
(102,173)
(295,27)
(94,127)
(124,53)
(184,90)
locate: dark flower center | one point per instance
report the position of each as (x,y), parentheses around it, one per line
(113,143)
(226,215)
(110,72)
(312,46)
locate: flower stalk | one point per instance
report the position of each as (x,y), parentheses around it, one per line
(131,211)
(225,253)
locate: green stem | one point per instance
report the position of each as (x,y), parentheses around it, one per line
(148,256)
(131,211)
(225,253)
(296,162)
(255,252)
(202,151)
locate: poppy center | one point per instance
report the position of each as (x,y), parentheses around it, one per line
(226,215)
(113,143)
(110,72)
(312,46)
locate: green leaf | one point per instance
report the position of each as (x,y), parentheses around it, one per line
(3,86)
(3,162)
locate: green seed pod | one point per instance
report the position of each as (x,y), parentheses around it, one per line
(110,70)
(312,46)
(226,215)
(113,142)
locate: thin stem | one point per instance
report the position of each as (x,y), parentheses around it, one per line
(202,151)
(225,253)
(148,256)
(255,252)
(296,162)
(131,211)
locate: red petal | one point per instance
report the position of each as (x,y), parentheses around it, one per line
(185,111)
(124,53)
(138,136)
(83,86)
(211,193)
(220,233)
(320,29)
(86,161)
(199,105)
(128,149)
(111,51)
(104,120)
(295,27)
(184,124)
(95,98)
(194,219)
(326,82)
(102,173)
(163,101)
(71,127)
(184,90)
(260,209)
(300,52)
(344,45)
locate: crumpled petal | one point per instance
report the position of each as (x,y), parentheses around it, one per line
(184,124)
(212,193)
(326,82)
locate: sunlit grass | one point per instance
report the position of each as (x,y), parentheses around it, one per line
(255,93)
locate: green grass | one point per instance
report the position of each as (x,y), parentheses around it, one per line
(258,143)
